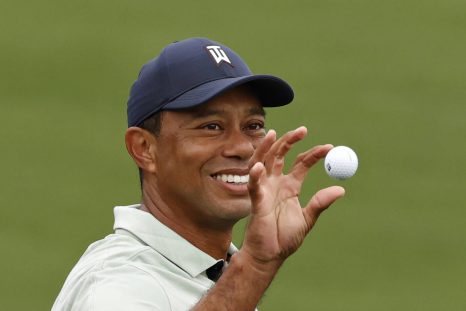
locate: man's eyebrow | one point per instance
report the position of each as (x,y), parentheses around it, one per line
(257,111)
(203,113)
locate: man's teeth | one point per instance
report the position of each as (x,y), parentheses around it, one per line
(237,179)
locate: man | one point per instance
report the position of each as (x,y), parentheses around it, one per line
(196,130)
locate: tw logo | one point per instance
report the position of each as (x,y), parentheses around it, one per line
(218,54)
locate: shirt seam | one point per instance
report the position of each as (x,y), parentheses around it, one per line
(93,287)
(155,279)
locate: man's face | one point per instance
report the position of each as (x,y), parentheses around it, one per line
(202,157)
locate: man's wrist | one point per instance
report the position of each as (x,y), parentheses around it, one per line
(265,270)
(241,286)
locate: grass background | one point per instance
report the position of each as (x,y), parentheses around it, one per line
(384,77)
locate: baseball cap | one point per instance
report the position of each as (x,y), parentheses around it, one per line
(191,72)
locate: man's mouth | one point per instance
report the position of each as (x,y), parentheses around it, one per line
(232,179)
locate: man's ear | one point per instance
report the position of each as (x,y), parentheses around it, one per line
(141,146)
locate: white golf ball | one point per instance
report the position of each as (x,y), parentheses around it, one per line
(341,162)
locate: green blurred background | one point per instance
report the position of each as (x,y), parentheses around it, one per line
(384,77)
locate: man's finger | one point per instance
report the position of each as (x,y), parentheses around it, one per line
(263,148)
(274,158)
(306,160)
(254,187)
(320,202)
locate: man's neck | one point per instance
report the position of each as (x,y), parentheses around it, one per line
(212,241)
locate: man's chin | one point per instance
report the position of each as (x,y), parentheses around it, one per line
(238,209)
(229,208)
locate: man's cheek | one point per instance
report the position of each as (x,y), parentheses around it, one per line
(257,141)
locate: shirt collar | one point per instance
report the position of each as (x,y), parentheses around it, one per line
(164,240)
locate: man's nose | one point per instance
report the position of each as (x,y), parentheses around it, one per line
(238,145)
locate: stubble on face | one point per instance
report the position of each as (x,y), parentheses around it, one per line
(200,147)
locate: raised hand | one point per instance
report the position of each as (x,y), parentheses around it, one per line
(278,224)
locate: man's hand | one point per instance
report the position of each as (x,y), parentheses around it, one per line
(278,223)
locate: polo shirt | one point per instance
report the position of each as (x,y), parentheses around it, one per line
(143,265)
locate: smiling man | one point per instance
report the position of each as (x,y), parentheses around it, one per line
(196,130)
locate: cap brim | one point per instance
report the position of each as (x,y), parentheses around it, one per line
(271,91)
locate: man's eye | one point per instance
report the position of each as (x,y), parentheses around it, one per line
(256,126)
(212,127)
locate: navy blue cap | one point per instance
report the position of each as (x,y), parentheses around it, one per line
(193,71)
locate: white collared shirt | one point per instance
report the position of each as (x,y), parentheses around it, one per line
(144,265)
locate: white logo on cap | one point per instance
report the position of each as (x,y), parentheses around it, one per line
(218,54)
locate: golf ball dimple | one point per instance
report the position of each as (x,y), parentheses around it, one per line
(341,162)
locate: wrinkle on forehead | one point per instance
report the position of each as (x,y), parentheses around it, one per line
(202,112)
(238,100)
(241,98)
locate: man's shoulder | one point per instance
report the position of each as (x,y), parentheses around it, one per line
(112,270)
(118,250)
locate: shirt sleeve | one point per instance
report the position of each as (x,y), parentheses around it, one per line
(125,287)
